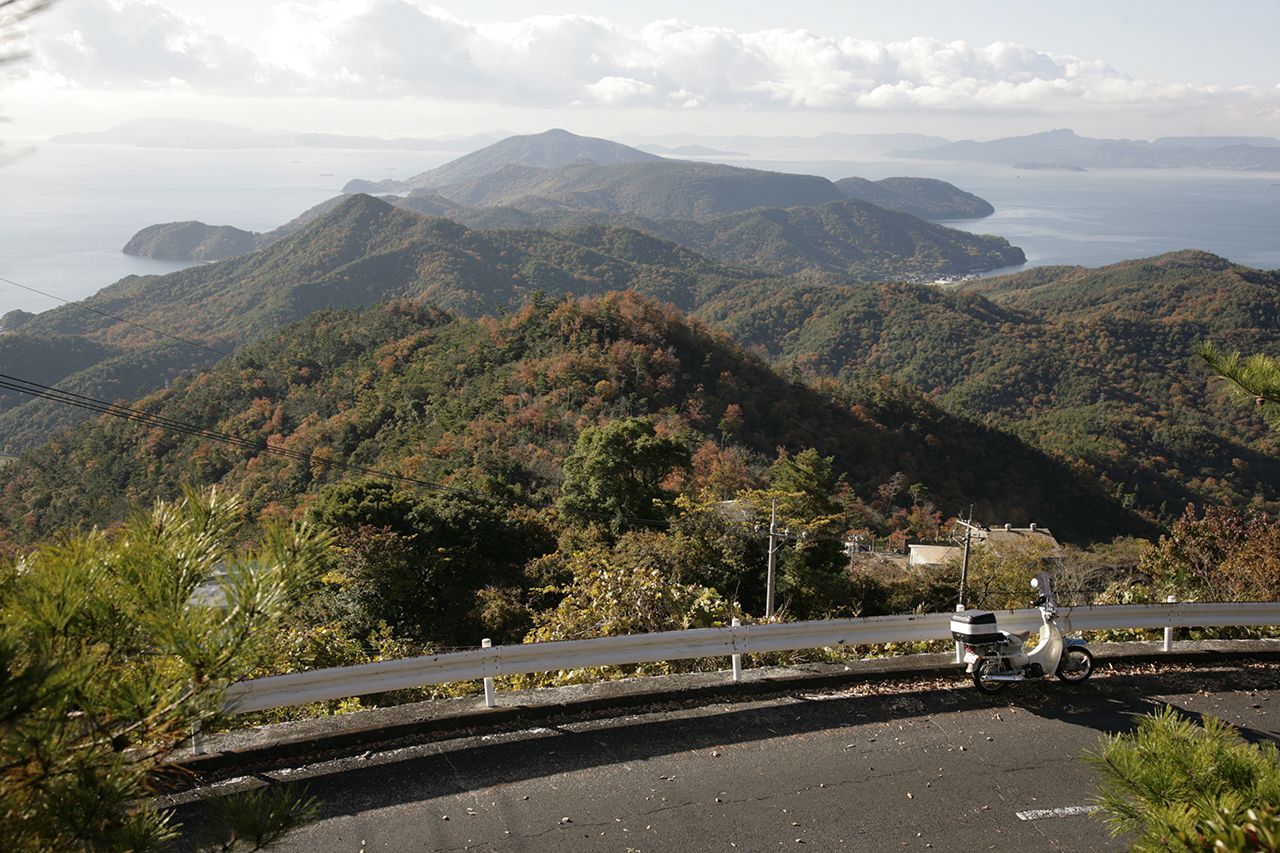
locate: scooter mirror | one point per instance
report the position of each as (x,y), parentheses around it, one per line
(1035,583)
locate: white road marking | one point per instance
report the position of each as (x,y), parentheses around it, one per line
(1065,811)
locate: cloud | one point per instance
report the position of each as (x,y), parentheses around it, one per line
(396,48)
(142,44)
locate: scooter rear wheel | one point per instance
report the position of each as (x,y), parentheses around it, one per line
(1076,665)
(983,667)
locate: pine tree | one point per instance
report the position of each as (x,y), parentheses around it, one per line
(107,662)
(1253,377)
(1179,786)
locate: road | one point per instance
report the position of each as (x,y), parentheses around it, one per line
(905,766)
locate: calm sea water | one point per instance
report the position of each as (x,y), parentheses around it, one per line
(68,209)
(1105,215)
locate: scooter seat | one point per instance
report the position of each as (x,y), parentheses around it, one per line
(1017,635)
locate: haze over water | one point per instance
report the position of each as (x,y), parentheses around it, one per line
(80,204)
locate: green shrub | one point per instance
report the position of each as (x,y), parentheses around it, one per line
(1176,785)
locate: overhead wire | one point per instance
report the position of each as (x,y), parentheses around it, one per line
(47,392)
(110,316)
(92,404)
(102,407)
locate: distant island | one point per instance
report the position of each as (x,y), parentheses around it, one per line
(190,241)
(773,222)
(1048,167)
(1066,146)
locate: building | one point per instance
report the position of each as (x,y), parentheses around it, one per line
(1004,541)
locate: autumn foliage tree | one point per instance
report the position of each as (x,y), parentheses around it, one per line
(1226,554)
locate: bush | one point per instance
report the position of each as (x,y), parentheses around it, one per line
(1181,786)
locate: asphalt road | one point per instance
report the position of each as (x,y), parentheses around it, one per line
(906,766)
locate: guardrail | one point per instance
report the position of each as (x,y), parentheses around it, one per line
(300,688)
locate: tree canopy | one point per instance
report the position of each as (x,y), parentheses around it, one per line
(615,472)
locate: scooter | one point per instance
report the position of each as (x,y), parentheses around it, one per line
(997,658)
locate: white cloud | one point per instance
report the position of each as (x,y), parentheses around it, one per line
(140,43)
(396,48)
(619,91)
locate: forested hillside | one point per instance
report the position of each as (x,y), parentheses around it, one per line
(1094,365)
(496,404)
(364,250)
(360,253)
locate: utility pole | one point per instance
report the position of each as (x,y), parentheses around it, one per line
(964,565)
(773,560)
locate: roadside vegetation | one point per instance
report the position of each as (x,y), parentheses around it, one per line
(106,669)
(1176,784)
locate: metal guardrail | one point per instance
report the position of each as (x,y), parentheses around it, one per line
(300,688)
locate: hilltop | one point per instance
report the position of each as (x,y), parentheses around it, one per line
(927,198)
(361,252)
(500,400)
(851,238)
(557,170)
(1095,366)
(551,149)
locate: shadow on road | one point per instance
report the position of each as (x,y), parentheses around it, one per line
(1108,705)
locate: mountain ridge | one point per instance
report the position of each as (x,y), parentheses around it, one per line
(406,388)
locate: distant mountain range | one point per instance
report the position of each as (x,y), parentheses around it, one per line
(203,133)
(1066,148)
(404,387)
(1092,367)
(688,151)
(200,133)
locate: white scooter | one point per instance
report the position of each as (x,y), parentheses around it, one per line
(995,658)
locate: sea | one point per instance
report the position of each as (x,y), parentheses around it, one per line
(68,209)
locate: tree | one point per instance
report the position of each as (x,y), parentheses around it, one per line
(418,563)
(625,591)
(1253,378)
(810,479)
(812,580)
(615,472)
(106,664)
(1227,554)
(12,14)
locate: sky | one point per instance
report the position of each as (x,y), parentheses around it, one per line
(955,68)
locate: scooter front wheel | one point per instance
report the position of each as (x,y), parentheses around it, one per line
(1076,665)
(983,667)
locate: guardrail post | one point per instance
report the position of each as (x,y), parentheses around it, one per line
(1168,632)
(959,645)
(737,659)
(197,736)
(489,700)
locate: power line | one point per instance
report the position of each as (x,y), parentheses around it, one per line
(35,389)
(91,310)
(102,407)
